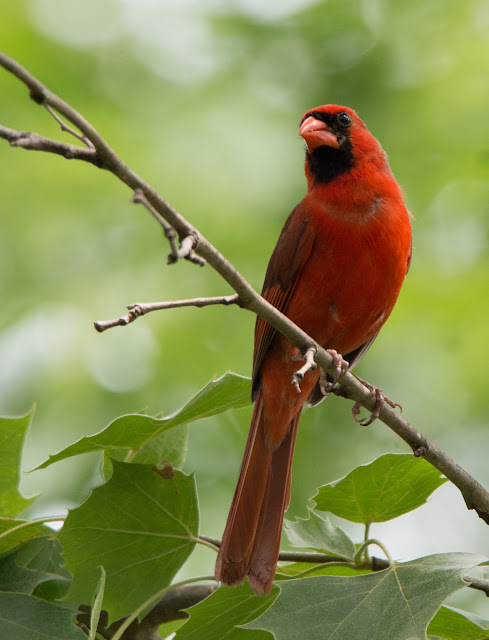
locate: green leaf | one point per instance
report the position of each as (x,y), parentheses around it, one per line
(169,446)
(12,436)
(15,532)
(396,603)
(97,605)
(140,527)
(318,532)
(24,617)
(136,431)
(168,628)
(381,490)
(18,578)
(454,624)
(219,614)
(44,554)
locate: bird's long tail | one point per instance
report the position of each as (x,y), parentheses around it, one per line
(251,540)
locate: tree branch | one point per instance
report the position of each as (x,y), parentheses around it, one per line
(34,142)
(169,608)
(142,308)
(475,496)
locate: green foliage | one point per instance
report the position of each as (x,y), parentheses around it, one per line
(146,434)
(140,526)
(24,617)
(384,489)
(396,603)
(454,624)
(120,550)
(219,615)
(318,532)
(14,532)
(12,435)
(14,577)
(45,554)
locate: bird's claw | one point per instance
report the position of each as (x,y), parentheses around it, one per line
(340,366)
(380,399)
(309,365)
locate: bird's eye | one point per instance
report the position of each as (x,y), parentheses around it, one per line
(344,119)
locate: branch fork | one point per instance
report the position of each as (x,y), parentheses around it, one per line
(188,243)
(65,127)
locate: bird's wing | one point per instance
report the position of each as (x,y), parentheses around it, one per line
(293,248)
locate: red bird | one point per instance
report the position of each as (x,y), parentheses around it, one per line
(336,272)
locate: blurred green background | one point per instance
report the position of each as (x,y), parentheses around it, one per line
(203,99)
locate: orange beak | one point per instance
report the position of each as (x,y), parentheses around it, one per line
(316,133)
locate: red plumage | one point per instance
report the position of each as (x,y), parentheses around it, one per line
(336,272)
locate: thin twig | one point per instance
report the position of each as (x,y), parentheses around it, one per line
(67,129)
(141,308)
(170,234)
(34,142)
(312,558)
(475,496)
(187,244)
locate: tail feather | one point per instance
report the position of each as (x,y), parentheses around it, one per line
(267,541)
(251,539)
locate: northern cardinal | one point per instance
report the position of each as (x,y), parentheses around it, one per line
(336,272)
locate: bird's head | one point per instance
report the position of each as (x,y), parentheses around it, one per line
(337,140)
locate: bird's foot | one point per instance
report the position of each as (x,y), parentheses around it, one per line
(310,365)
(380,399)
(340,366)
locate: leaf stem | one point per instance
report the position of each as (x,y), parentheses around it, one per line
(368,559)
(358,556)
(206,543)
(97,605)
(317,567)
(155,597)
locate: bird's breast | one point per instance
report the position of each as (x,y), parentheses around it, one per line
(351,281)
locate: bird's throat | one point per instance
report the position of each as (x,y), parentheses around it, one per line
(327,163)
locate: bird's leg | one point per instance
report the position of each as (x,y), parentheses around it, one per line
(310,365)
(380,398)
